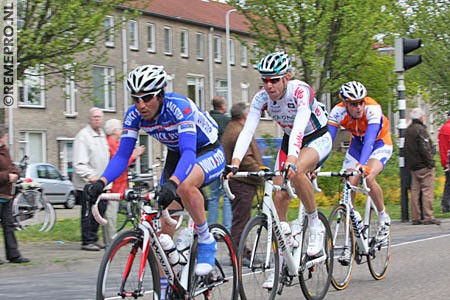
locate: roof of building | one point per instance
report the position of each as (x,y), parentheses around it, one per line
(203,12)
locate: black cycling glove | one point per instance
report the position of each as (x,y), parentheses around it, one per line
(93,190)
(167,194)
(230,168)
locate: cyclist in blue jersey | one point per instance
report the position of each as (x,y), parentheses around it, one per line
(195,156)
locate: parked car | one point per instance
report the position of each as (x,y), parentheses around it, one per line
(57,188)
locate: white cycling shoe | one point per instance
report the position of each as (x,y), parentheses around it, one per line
(383,231)
(315,241)
(268,284)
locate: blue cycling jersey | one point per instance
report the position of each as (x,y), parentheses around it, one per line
(181,126)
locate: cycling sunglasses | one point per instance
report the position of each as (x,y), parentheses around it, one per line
(145,97)
(272,80)
(356,104)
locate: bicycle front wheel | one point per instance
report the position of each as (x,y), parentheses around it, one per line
(379,251)
(259,261)
(315,280)
(31,210)
(118,275)
(343,247)
(222,282)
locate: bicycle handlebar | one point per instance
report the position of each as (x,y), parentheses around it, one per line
(266,175)
(344,174)
(128,195)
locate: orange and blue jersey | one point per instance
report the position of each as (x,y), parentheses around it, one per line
(368,133)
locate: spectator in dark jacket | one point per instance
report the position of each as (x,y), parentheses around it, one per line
(216,187)
(8,175)
(419,159)
(243,188)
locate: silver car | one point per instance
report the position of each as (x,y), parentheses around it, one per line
(57,188)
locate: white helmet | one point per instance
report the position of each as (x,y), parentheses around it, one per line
(146,78)
(277,63)
(352,91)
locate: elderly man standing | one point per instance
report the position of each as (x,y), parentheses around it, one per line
(90,158)
(419,159)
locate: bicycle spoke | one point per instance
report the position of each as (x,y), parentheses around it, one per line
(379,252)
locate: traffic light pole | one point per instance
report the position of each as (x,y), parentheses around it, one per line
(404,172)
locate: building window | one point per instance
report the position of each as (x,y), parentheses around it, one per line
(32,88)
(70,93)
(196,90)
(221,88)
(244,92)
(32,144)
(104,88)
(244,56)
(232,58)
(217,48)
(151,37)
(133,35)
(109,31)
(184,43)
(168,40)
(200,43)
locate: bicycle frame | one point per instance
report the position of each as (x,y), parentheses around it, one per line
(360,235)
(292,256)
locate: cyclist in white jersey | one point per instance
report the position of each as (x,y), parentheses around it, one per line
(306,141)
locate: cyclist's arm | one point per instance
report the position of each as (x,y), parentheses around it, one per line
(188,153)
(118,164)
(333,130)
(369,140)
(246,135)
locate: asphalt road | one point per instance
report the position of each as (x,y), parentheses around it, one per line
(419,269)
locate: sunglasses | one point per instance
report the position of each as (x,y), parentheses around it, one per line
(146,97)
(356,104)
(272,80)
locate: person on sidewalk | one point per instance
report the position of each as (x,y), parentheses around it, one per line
(9,174)
(113,130)
(244,189)
(419,159)
(444,154)
(216,187)
(90,158)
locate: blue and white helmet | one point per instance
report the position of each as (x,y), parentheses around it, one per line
(146,78)
(352,91)
(275,64)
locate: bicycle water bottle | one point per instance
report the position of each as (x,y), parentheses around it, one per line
(170,249)
(183,244)
(286,229)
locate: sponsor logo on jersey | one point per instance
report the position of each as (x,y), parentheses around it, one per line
(210,163)
(187,111)
(175,110)
(187,127)
(131,116)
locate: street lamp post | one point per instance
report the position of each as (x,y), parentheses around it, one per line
(227,37)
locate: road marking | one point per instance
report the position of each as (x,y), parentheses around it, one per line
(421,240)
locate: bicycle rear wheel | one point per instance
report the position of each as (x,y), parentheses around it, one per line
(222,282)
(259,262)
(119,270)
(379,252)
(343,247)
(31,209)
(315,280)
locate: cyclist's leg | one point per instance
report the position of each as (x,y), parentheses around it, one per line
(189,191)
(311,156)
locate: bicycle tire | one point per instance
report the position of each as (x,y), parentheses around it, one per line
(315,281)
(30,209)
(126,249)
(343,249)
(254,273)
(222,282)
(379,253)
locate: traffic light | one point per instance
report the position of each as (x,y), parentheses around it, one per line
(403,46)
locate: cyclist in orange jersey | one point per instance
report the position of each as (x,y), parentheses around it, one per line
(371,143)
